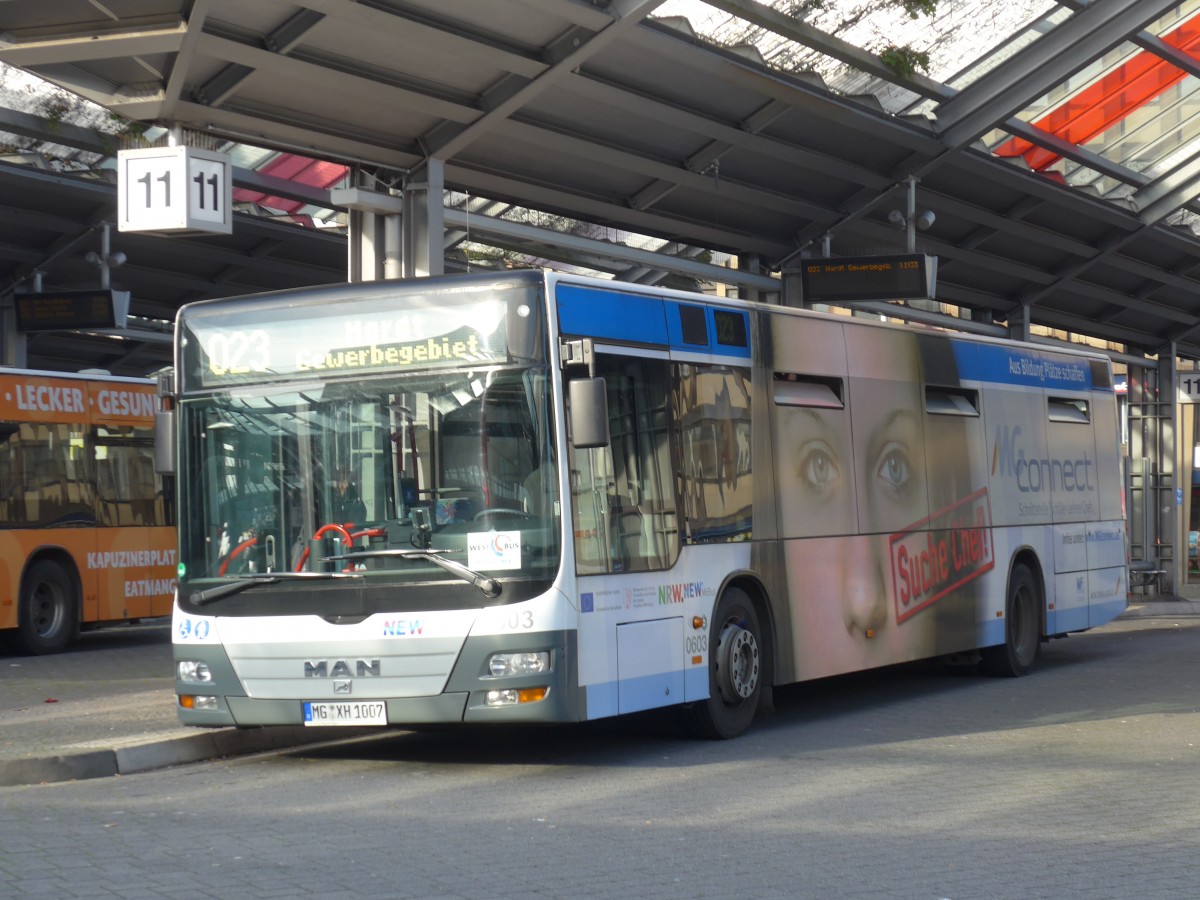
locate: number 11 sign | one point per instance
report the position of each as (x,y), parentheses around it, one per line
(175,190)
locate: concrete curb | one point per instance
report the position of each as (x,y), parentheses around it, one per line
(160,754)
(1163,606)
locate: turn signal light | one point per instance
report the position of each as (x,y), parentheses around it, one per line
(198,701)
(513,696)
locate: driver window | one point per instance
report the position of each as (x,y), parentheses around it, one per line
(623,509)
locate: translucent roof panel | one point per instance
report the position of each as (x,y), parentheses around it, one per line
(1137,107)
(805,39)
(1126,91)
(1132,112)
(298,169)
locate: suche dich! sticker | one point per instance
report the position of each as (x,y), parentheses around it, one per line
(939,554)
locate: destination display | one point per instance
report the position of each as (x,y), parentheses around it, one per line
(912,276)
(352,337)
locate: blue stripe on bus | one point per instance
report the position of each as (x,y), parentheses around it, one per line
(611,315)
(619,316)
(1016,365)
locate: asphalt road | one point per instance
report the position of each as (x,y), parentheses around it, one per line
(1080,780)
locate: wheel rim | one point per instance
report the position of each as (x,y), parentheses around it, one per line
(48,609)
(737,663)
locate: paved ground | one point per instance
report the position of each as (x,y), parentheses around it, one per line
(106,707)
(910,784)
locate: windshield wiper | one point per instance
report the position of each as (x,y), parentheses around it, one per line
(490,587)
(245,582)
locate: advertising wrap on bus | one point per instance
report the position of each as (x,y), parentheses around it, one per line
(85,525)
(534,497)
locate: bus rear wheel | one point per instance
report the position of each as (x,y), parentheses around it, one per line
(735,670)
(48,615)
(1022,628)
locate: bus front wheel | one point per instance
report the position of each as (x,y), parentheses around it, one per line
(1022,628)
(735,670)
(48,616)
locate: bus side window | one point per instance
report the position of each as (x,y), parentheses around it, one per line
(712,406)
(623,510)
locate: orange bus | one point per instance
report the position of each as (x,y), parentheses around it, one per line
(86,529)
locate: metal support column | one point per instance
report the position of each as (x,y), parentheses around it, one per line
(12,348)
(1151,489)
(373,235)
(423,226)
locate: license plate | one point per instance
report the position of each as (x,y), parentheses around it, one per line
(356,713)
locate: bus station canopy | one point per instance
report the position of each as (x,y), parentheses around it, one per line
(1059,157)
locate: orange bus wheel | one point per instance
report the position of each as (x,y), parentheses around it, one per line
(48,615)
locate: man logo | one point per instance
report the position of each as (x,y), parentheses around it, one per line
(340,668)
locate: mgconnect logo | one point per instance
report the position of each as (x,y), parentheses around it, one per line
(1033,474)
(677,593)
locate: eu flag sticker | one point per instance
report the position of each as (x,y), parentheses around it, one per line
(585,602)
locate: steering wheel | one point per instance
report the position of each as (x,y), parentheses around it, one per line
(500,511)
(343,533)
(235,553)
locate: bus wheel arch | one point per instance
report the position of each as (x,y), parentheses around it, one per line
(48,605)
(1024,620)
(740,660)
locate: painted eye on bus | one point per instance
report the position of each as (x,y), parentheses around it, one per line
(895,470)
(817,469)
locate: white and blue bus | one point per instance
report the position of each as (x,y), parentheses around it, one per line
(528,497)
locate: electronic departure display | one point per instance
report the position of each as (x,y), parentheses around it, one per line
(848,278)
(65,310)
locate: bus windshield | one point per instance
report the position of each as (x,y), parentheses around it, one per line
(457,465)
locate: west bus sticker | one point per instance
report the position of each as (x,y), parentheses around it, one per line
(942,553)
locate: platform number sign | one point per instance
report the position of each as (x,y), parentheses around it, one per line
(174,190)
(1188,387)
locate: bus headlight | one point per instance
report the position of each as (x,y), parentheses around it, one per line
(193,671)
(525,663)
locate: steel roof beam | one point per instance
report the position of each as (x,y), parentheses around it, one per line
(304,136)
(747,134)
(281,41)
(182,61)
(1168,192)
(604,154)
(1149,41)
(1040,66)
(540,195)
(320,71)
(30,54)
(795,29)
(42,129)
(376,18)
(606,249)
(627,14)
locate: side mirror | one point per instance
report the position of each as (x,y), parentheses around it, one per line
(164,442)
(589,412)
(164,424)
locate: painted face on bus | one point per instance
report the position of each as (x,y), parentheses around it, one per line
(850,478)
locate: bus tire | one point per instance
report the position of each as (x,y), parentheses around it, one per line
(48,614)
(1022,628)
(736,670)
